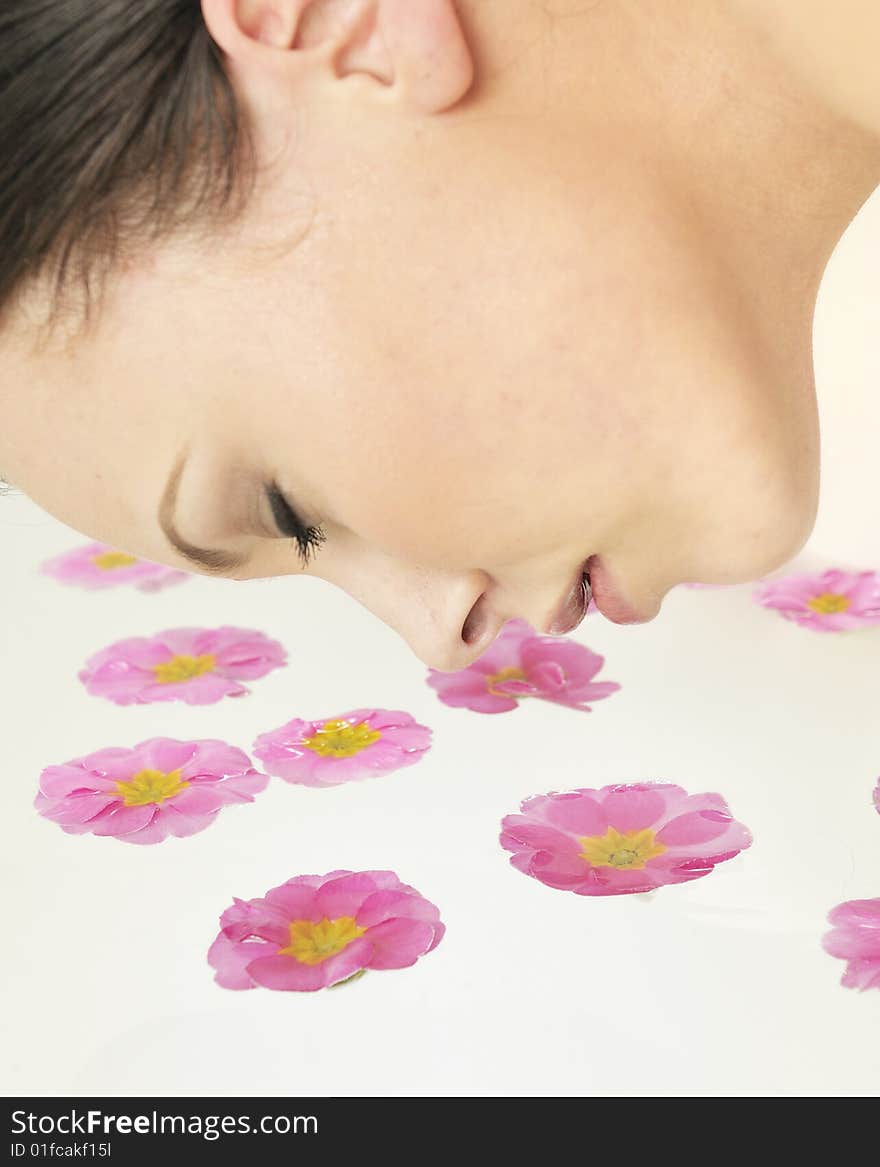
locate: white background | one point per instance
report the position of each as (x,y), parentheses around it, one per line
(715,987)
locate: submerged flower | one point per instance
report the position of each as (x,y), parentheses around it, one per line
(96,565)
(833,601)
(195,665)
(317,930)
(520,663)
(161,787)
(626,838)
(358,744)
(855,938)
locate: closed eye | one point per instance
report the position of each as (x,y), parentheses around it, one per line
(308,538)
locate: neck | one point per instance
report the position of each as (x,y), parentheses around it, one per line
(777,170)
(768,171)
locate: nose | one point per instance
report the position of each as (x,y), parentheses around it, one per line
(448,622)
(448,618)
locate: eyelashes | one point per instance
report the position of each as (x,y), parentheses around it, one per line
(308,541)
(308,538)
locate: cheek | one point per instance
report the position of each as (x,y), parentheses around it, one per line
(457,488)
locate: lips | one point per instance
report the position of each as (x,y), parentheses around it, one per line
(574,606)
(594,581)
(609,600)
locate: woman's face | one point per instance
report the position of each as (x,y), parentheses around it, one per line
(503,338)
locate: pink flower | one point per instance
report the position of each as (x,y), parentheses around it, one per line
(195,665)
(877,796)
(358,744)
(619,839)
(317,930)
(832,601)
(856,939)
(161,787)
(97,565)
(520,663)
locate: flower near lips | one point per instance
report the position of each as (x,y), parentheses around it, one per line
(832,601)
(621,839)
(317,930)
(96,565)
(161,787)
(519,664)
(195,665)
(361,743)
(855,938)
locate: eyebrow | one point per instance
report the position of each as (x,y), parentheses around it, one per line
(215,562)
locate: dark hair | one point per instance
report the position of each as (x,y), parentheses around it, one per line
(118,127)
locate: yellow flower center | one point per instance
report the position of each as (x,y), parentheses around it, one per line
(311,942)
(829,602)
(151,786)
(338,739)
(108,560)
(630,850)
(181,668)
(511,673)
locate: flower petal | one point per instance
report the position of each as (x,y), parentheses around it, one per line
(399,942)
(696,827)
(125,820)
(577,813)
(633,808)
(289,975)
(231,959)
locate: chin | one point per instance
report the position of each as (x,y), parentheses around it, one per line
(780,546)
(747,552)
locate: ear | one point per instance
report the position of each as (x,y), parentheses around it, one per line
(411,51)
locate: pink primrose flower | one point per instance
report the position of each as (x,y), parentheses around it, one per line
(519,664)
(97,565)
(621,839)
(855,938)
(161,787)
(197,665)
(831,601)
(361,743)
(317,930)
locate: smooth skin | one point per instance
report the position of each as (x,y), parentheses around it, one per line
(520,283)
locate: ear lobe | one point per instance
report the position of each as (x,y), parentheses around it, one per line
(433,63)
(416,50)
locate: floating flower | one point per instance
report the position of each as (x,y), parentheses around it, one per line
(96,565)
(195,665)
(358,744)
(161,787)
(855,938)
(520,663)
(833,601)
(317,930)
(618,839)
